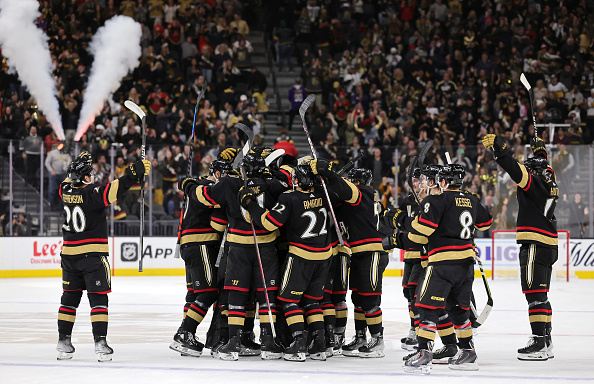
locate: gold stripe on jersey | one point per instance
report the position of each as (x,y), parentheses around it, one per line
(198,238)
(452,255)
(540,318)
(426,334)
(82,249)
(525,177)
(423,229)
(295,319)
(217,226)
(371,247)
(329,312)
(530,266)
(203,200)
(424,263)
(426,281)
(65,317)
(374,270)
(355,192)
(232,320)
(206,262)
(107,270)
(267,224)
(359,316)
(99,318)
(412,255)
(417,239)
(310,255)
(314,318)
(445,332)
(266,318)
(195,315)
(344,271)
(373,320)
(249,239)
(464,333)
(533,236)
(286,274)
(113,191)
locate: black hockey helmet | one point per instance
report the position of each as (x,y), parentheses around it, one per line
(219,165)
(541,166)
(303,176)
(79,168)
(253,164)
(362,175)
(430,170)
(453,174)
(417,173)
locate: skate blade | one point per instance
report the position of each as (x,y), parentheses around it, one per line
(408,347)
(550,354)
(318,356)
(464,367)
(267,355)
(249,352)
(233,356)
(104,357)
(294,356)
(64,355)
(177,347)
(443,361)
(329,352)
(423,370)
(337,352)
(371,355)
(350,353)
(534,356)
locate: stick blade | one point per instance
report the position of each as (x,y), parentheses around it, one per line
(424,152)
(525,82)
(273,156)
(309,100)
(135,108)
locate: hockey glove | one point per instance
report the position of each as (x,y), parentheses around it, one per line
(228,154)
(86,157)
(394,241)
(246,196)
(394,217)
(186,182)
(136,170)
(538,148)
(499,146)
(321,166)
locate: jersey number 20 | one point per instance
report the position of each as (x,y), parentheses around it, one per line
(79,222)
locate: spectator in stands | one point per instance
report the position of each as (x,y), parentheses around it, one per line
(31,150)
(297,94)
(284,141)
(57,163)
(284,42)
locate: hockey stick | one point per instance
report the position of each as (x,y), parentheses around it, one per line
(243,175)
(176,254)
(480,319)
(304,106)
(273,156)
(140,113)
(350,164)
(417,162)
(529,89)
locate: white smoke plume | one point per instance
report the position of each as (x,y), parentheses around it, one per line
(27,50)
(116,48)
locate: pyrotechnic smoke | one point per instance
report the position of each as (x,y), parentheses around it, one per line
(116,48)
(27,50)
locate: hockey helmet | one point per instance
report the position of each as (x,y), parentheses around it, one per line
(219,165)
(541,166)
(430,171)
(303,176)
(416,173)
(361,175)
(253,164)
(78,169)
(453,174)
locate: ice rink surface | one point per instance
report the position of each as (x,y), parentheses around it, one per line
(145,311)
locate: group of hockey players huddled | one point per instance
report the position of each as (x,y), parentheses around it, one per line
(289,237)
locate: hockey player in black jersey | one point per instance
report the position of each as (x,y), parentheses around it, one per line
(303,212)
(360,213)
(446,225)
(85,254)
(537,194)
(200,241)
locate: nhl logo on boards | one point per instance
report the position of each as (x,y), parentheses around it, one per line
(129,251)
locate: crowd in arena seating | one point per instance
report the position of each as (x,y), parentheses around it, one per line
(388,76)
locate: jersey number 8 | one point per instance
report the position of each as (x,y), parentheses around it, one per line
(466,223)
(79,222)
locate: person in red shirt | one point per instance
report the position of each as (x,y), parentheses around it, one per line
(283,141)
(342,106)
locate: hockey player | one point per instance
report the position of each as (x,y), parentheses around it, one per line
(85,254)
(199,249)
(360,214)
(537,194)
(446,225)
(304,213)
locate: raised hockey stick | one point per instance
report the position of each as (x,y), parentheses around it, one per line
(302,110)
(140,113)
(243,175)
(348,165)
(529,89)
(176,254)
(417,162)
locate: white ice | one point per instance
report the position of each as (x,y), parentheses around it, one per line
(145,311)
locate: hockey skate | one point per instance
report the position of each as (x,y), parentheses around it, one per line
(442,355)
(270,350)
(465,360)
(535,350)
(296,351)
(549,344)
(104,352)
(187,344)
(420,362)
(330,340)
(352,348)
(409,342)
(214,351)
(65,348)
(230,351)
(338,343)
(317,345)
(248,346)
(374,347)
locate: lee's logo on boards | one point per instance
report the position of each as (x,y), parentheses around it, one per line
(46,252)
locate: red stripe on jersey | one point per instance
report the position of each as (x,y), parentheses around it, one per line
(537,230)
(536,291)
(424,221)
(310,248)
(540,310)
(206,290)
(465,308)
(236,288)
(195,308)
(95,310)
(68,310)
(529,182)
(85,241)
(444,325)
(208,197)
(376,313)
(369,294)
(269,217)
(296,311)
(313,297)
(288,300)
(218,220)
(289,178)
(359,199)
(451,247)
(327,305)
(236,313)
(105,195)
(197,230)
(268,288)
(370,240)
(258,231)
(425,326)
(312,311)
(484,224)
(102,292)
(462,326)
(427,306)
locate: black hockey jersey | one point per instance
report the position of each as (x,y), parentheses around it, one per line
(447,223)
(410,206)
(305,217)
(85,219)
(537,200)
(224,194)
(196,225)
